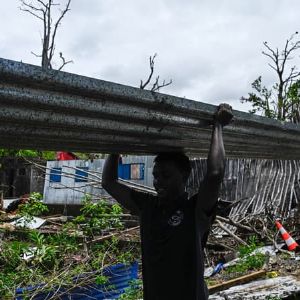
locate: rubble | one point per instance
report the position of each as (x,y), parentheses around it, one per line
(245,259)
(271,288)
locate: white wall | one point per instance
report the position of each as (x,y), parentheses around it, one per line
(70,192)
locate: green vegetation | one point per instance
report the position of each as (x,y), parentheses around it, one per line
(46,155)
(134,292)
(31,258)
(248,259)
(273,297)
(98,216)
(33,208)
(210,281)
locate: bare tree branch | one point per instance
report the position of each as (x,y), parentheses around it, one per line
(37,55)
(156,85)
(63,12)
(64,61)
(271,66)
(151,65)
(30,7)
(32,13)
(42,9)
(42,3)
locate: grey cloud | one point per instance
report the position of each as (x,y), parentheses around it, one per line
(211,49)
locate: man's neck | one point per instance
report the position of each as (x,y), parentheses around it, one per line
(175,202)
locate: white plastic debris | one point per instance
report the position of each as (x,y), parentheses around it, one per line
(30,253)
(31,224)
(208,272)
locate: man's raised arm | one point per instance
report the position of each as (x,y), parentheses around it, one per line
(216,160)
(117,190)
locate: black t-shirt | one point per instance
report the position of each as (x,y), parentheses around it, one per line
(172,255)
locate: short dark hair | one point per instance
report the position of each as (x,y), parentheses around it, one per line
(181,161)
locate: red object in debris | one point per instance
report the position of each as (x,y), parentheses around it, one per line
(290,242)
(65,156)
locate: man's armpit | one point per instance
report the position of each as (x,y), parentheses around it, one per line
(140,200)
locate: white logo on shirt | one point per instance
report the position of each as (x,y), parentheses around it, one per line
(176,218)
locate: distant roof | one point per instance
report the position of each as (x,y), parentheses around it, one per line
(54,110)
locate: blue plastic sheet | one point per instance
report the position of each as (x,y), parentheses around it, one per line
(119,278)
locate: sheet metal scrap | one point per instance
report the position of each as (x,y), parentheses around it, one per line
(52,110)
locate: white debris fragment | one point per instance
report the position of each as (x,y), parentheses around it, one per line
(32,224)
(260,289)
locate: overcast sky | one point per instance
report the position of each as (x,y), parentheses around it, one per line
(211,49)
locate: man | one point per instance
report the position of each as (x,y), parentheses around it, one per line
(174,228)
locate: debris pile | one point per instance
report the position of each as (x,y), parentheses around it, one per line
(254,257)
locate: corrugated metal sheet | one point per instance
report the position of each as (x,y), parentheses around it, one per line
(120,276)
(61,111)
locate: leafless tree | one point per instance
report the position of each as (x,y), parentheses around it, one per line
(282,100)
(156,86)
(278,64)
(43,10)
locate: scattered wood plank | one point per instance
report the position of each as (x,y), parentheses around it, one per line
(222,226)
(240,280)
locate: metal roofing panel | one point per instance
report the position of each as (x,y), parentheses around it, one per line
(52,110)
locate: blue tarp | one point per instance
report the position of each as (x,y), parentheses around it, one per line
(119,278)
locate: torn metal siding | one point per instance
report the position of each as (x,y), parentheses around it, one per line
(61,111)
(254,187)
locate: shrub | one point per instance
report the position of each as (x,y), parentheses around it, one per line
(99,216)
(249,261)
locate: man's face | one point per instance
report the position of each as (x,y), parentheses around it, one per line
(168,181)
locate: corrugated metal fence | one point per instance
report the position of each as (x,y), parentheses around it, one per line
(256,186)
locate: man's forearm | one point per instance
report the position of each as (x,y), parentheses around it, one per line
(110,169)
(216,155)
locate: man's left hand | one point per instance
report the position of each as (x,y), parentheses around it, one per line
(223,114)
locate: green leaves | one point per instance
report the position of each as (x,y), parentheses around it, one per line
(34,207)
(134,292)
(55,259)
(261,100)
(99,216)
(248,259)
(101,279)
(46,155)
